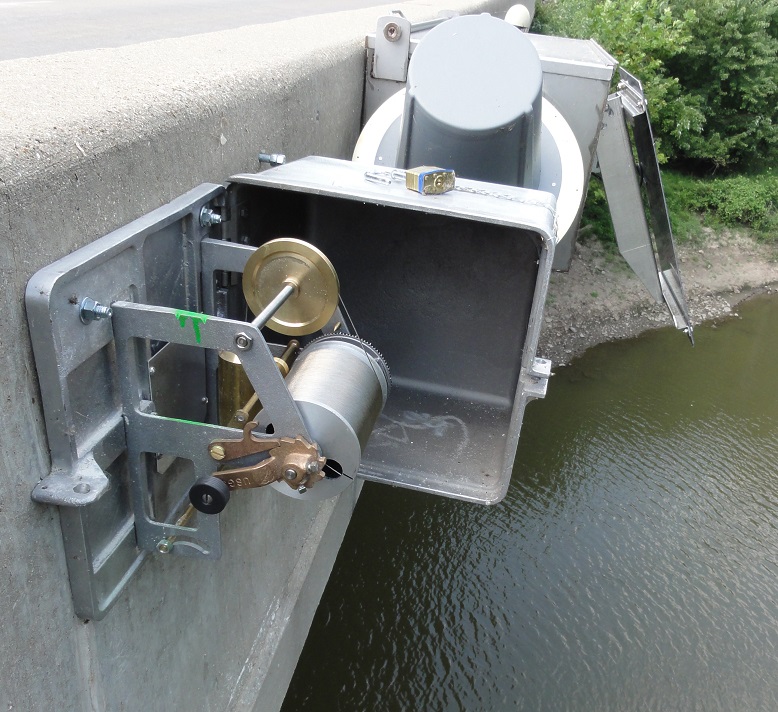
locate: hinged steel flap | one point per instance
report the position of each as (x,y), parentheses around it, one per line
(650,252)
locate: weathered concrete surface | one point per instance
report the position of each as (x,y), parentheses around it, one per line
(88,142)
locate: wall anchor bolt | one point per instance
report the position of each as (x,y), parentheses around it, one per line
(91,310)
(209,217)
(273,159)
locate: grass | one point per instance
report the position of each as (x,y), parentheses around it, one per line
(744,201)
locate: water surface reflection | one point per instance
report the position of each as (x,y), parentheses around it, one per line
(632,566)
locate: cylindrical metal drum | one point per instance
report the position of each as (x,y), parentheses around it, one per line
(340,385)
(473,102)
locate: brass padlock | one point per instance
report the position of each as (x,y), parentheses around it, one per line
(429,180)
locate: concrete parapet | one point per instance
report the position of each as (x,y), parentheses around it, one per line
(88,142)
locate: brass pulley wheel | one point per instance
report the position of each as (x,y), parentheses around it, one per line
(288,260)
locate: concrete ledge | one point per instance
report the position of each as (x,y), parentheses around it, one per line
(89,141)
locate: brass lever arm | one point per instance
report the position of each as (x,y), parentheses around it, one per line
(292,460)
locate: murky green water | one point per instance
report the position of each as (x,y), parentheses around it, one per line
(632,566)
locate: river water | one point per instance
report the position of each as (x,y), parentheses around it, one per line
(632,566)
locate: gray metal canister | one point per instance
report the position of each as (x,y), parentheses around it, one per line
(473,102)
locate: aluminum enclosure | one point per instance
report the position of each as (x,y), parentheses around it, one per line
(454,67)
(576,80)
(449,288)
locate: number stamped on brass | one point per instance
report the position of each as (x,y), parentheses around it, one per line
(237,482)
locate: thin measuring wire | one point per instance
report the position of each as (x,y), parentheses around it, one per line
(331,468)
(353,327)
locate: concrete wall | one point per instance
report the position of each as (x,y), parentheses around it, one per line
(89,141)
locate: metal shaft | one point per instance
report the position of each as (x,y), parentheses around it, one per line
(264,316)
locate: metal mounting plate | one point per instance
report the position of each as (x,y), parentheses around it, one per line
(156,260)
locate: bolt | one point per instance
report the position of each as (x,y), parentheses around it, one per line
(392,31)
(240,417)
(302,489)
(164,546)
(274,159)
(312,467)
(243,341)
(93,311)
(152,370)
(204,400)
(217,452)
(290,474)
(209,217)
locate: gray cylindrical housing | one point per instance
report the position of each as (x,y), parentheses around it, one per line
(473,102)
(340,386)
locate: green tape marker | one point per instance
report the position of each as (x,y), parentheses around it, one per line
(196,317)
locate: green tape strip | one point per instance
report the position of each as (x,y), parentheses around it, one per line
(196,317)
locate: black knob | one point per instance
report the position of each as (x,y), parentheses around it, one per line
(209,495)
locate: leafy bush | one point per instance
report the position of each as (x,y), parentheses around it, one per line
(708,67)
(596,219)
(730,68)
(743,200)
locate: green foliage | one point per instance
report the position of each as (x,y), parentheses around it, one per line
(596,219)
(730,68)
(685,218)
(643,35)
(748,200)
(744,201)
(709,69)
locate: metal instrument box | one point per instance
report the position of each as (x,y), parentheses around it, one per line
(450,288)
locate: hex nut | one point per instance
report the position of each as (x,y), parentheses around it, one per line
(90,311)
(209,217)
(273,159)
(243,341)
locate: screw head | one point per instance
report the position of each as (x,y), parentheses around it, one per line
(312,467)
(217,452)
(240,417)
(164,546)
(243,341)
(392,31)
(302,489)
(290,474)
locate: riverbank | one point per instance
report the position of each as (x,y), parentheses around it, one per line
(600,299)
